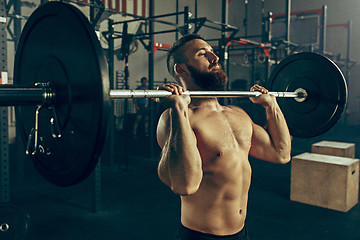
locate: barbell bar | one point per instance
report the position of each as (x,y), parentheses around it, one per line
(12,95)
(119,94)
(63,99)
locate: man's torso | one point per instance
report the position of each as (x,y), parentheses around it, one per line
(224,140)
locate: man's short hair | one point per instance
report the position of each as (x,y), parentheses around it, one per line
(176,53)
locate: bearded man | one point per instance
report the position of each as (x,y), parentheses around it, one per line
(205,146)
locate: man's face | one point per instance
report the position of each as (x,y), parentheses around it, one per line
(203,66)
(144,83)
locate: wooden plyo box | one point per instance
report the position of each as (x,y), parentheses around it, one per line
(340,149)
(325,181)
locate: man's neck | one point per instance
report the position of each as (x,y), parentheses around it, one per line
(210,103)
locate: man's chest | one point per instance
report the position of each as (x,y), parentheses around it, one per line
(221,132)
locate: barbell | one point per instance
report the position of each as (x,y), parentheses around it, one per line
(62,95)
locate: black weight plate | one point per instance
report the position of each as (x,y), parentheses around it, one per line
(59,45)
(326,88)
(14,222)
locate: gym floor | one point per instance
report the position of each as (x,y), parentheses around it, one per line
(136,205)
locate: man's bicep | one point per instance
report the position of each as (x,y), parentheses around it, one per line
(261,144)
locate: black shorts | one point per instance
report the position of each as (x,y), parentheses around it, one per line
(189,234)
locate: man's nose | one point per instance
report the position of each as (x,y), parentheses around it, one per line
(213,57)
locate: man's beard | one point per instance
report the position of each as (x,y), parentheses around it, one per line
(209,80)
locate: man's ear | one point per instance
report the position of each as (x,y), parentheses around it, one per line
(180,69)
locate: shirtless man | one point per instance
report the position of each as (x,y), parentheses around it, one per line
(205,146)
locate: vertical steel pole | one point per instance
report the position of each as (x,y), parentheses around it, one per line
(263,22)
(4,121)
(322,45)
(151,78)
(253,67)
(267,38)
(92,12)
(186,20)
(347,64)
(177,19)
(196,13)
(111,80)
(223,54)
(224,21)
(20,163)
(245,22)
(17,22)
(288,28)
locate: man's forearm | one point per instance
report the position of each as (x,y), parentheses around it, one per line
(279,132)
(180,164)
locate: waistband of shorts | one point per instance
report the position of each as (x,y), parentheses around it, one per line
(190,233)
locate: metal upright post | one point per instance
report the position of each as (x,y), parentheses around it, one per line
(253,67)
(263,21)
(17,22)
(111,80)
(347,63)
(245,22)
(4,124)
(196,14)
(20,159)
(126,78)
(322,45)
(267,39)
(223,54)
(91,11)
(186,20)
(222,51)
(224,21)
(287,24)
(151,78)
(177,19)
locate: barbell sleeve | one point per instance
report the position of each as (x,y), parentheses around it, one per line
(13,96)
(40,94)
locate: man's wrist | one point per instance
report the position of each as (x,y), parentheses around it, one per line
(271,106)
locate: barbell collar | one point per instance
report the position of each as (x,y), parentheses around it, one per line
(42,94)
(119,94)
